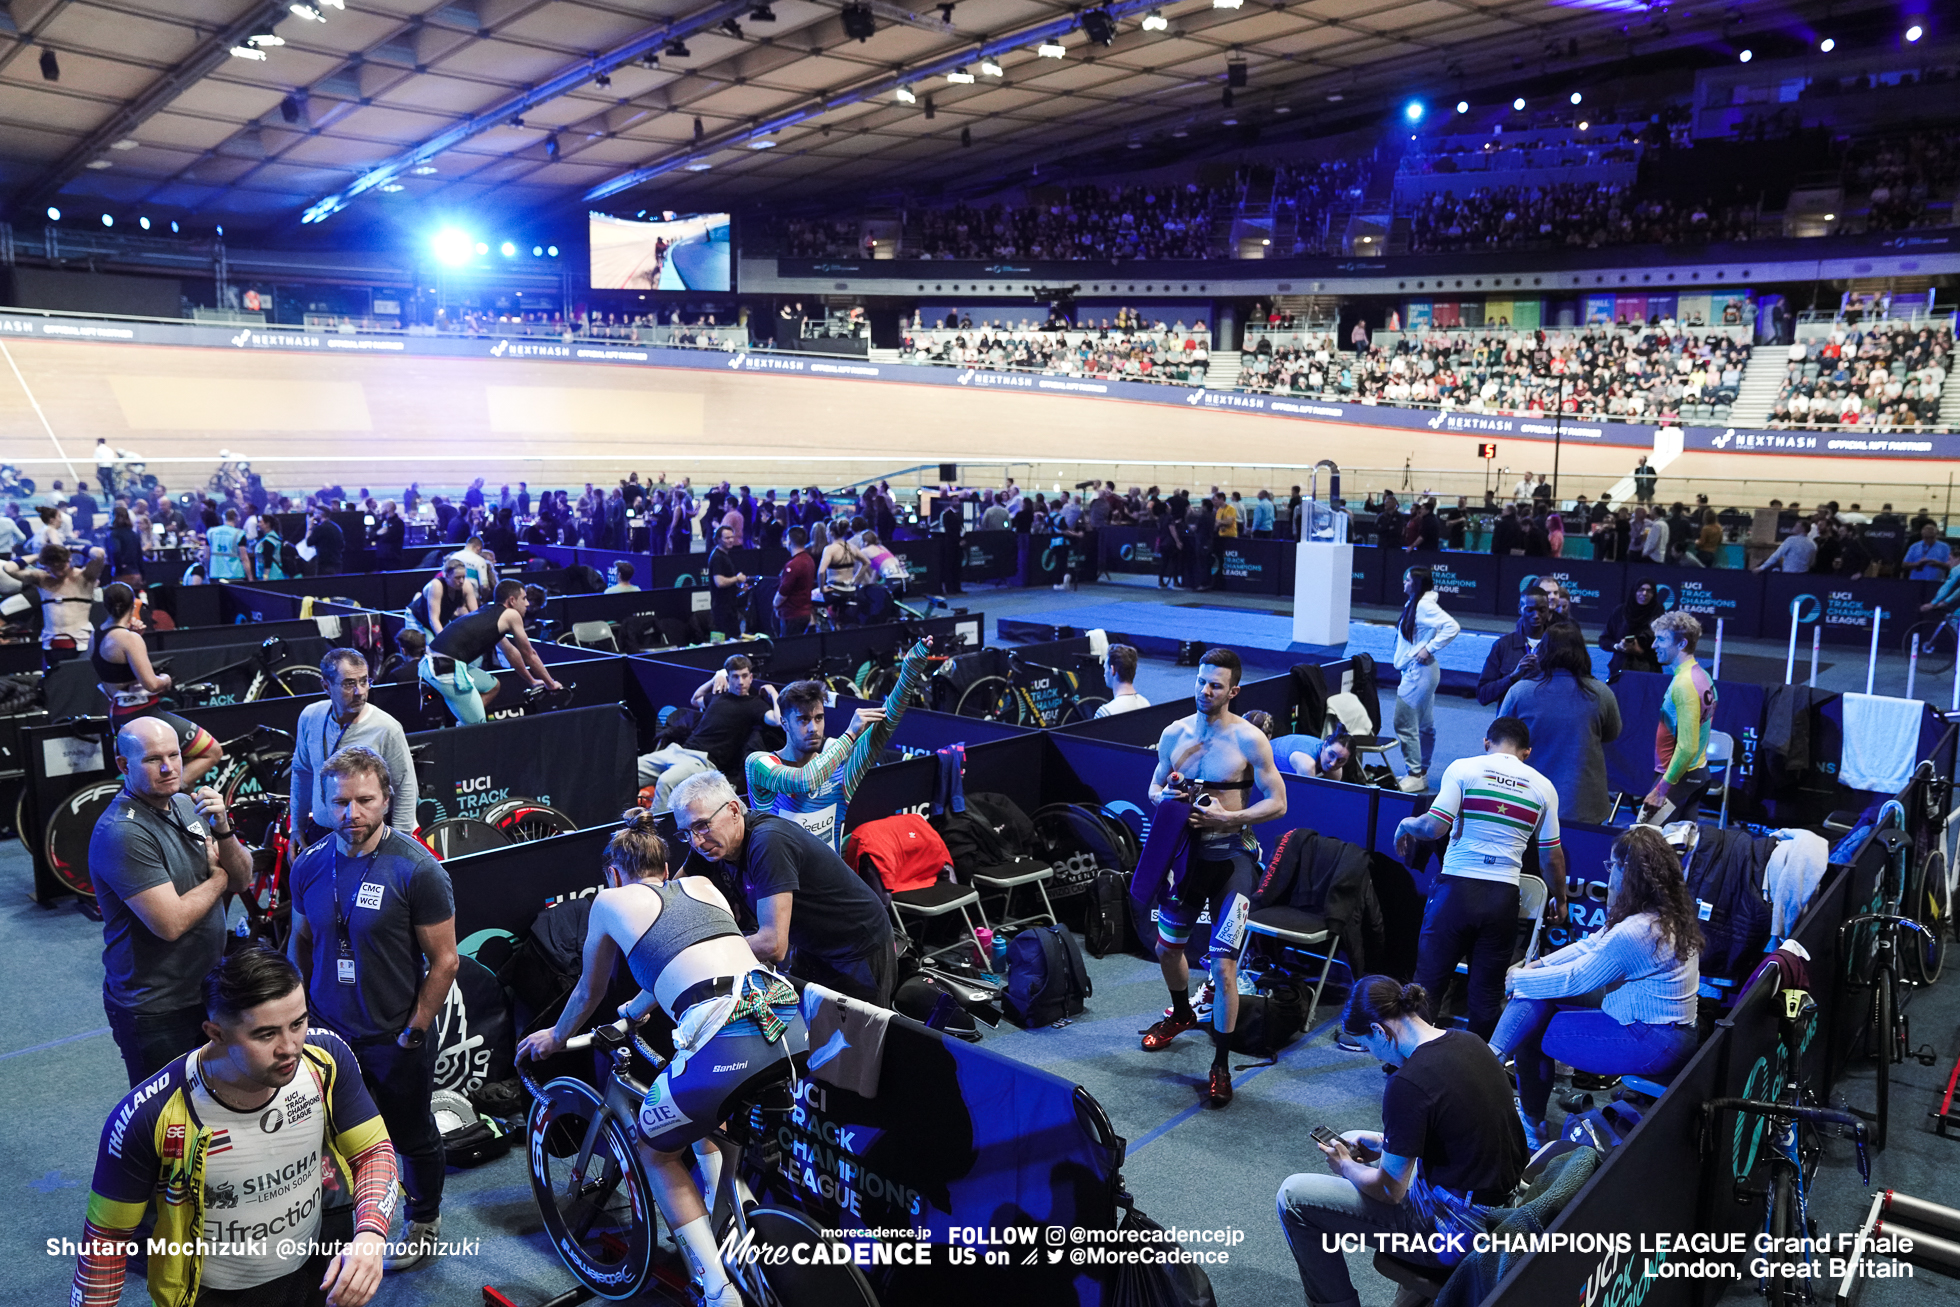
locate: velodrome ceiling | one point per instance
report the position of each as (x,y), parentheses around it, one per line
(151,110)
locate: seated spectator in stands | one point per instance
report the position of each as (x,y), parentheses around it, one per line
(1572,718)
(1929,556)
(1619,1001)
(623,570)
(1120,671)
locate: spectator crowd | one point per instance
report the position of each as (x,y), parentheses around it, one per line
(1887,379)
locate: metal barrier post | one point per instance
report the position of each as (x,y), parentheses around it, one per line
(1871,663)
(1790,662)
(1912,665)
(1720,622)
(1816,647)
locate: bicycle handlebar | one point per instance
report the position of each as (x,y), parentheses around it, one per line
(1889,918)
(1795,1112)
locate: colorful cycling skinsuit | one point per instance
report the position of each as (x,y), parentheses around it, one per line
(229,1177)
(1494,804)
(815,795)
(1687,712)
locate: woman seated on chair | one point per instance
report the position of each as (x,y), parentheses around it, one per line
(135,689)
(1646,960)
(737,1022)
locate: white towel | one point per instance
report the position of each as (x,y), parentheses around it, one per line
(1881,742)
(847,1040)
(1348,710)
(1098,642)
(1795,869)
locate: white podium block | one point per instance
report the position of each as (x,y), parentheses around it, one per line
(1323,583)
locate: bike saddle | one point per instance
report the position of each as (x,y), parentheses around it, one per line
(273,649)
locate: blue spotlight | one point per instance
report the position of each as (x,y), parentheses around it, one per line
(453,246)
(1413,111)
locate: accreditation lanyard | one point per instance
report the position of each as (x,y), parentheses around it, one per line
(343,932)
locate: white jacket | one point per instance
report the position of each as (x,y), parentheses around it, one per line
(1434,629)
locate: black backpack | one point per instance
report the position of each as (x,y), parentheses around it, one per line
(543,969)
(1047,980)
(1007,819)
(1270,1022)
(1062,829)
(1106,913)
(290,561)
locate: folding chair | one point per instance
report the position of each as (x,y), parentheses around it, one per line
(593,635)
(937,901)
(1532,895)
(1721,752)
(1005,880)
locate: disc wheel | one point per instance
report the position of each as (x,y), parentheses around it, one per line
(991,698)
(266,773)
(802,1282)
(600,1218)
(524,820)
(69,831)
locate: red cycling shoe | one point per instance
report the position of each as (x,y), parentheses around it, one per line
(1159,1036)
(1219,1092)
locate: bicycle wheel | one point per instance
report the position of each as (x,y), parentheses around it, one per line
(1884,1045)
(20,819)
(289,678)
(1931,907)
(875,682)
(69,831)
(1936,645)
(524,820)
(601,1219)
(269,773)
(792,1285)
(1083,710)
(991,698)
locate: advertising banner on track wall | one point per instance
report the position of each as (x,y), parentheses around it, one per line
(1716,594)
(1465,583)
(1843,607)
(1530,426)
(1596,588)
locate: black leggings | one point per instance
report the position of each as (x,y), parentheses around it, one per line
(1477,919)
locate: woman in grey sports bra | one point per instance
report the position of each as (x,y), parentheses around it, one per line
(737,1023)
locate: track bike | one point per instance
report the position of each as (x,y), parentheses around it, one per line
(1938,635)
(592,1189)
(275,672)
(1790,1117)
(1030,695)
(1888,950)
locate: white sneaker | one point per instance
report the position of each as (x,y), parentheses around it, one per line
(1413,783)
(418,1247)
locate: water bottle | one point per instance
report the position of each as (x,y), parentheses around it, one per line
(983,940)
(1000,956)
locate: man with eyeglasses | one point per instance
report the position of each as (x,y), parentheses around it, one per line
(809,906)
(346,718)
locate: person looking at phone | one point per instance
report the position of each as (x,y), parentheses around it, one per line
(1217,761)
(1450,1145)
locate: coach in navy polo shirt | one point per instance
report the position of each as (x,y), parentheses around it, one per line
(374,933)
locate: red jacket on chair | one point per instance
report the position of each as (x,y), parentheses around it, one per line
(906,851)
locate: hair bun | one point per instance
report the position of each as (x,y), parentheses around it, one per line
(638,818)
(1414,998)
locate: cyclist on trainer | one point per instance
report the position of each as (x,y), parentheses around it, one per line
(134,689)
(811,783)
(449,594)
(1222,869)
(67,592)
(452,666)
(738,1024)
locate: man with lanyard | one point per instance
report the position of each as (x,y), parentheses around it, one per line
(1687,715)
(343,719)
(230,560)
(1216,760)
(1490,808)
(452,667)
(374,933)
(162,862)
(449,594)
(725,580)
(67,594)
(231,1142)
(811,782)
(809,906)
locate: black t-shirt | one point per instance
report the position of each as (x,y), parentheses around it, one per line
(328,543)
(726,726)
(724,598)
(1450,1107)
(835,916)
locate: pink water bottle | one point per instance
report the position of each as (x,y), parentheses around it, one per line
(983,940)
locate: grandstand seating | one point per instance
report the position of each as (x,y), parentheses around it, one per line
(1885,379)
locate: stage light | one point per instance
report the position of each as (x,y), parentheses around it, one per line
(1914,32)
(732,28)
(1413,111)
(1335,98)
(423,170)
(54,214)
(1576,97)
(764,143)
(1463,106)
(482,248)
(266,39)
(762,14)
(1226,4)
(51,66)
(1051,50)
(679,50)
(1827,45)
(858,22)
(1746,55)
(990,68)
(308,12)
(1830,217)
(1099,26)
(551,251)
(108,221)
(507,249)
(698,130)
(602,81)
(173,222)
(537,251)
(696,166)
(905,95)
(144,223)
(393,188)
(289,109)
(1584,125)
(452,246)
(960,77)
(551,148)
(1518,104)
(966,137)
(1154,21)
(247,52)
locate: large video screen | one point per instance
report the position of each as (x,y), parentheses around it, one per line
(676,253)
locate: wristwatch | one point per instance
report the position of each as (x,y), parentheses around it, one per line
(413,1037)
